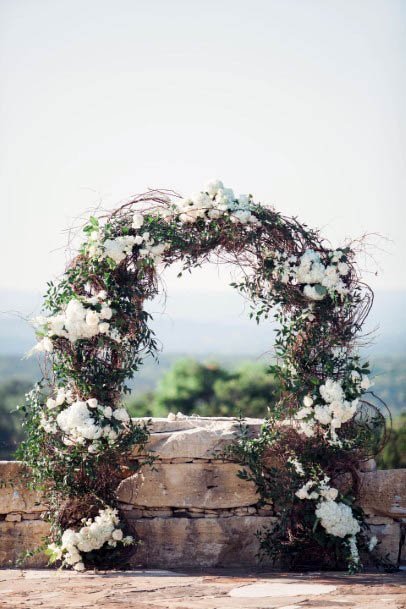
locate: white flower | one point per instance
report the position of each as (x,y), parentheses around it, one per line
(77,423)
(314,292)
(337,518)
(51,403)
(322,415)
(213,187)
(307,428)
(44,345)
(366,383)
(303,412)
(214,214)
(61,397)
(331,391)
(107,412)
(307,401)
(343,268)
(106,313)
(79,566)
(92,318)
(298,467)
(336,255)
(121,414)
(117,249)
(104,327)
(92,402)
(242,216)
(117,535)
(138,220)
(128,540)
(303,492)
(372,543)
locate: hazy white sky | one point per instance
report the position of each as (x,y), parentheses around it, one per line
(300,102)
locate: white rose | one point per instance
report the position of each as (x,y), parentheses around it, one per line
(79,566)
(307,401)
(104,328)
(117,535)
(343,268)
(121,414)
(106,313)
(108,411)
(92,402)
(51,403)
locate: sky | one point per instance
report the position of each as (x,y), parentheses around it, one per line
(299,102)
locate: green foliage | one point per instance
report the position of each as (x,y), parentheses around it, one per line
(12,394)
(393,455)
(208,389)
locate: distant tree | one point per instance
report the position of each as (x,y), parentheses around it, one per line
(12,393)
(207,389)
(188,387)
(393,456)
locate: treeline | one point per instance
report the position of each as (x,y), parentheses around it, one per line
(193,387)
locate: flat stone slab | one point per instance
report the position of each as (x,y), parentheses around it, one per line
(140,589)
(188,485)
(278,589)
(18,537)
(383,492)
(194,437)
(13,496)
(199,542)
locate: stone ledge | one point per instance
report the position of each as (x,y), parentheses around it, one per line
(14,497)
(188,485)
(18,537)
(383,493)
(200,542)
(194,438)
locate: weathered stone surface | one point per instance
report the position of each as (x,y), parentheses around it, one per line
(18,537)
(204,485)
(389,536)
(199,542)
(195,438)
(13,517)
(383,493)
(13,496)
(368,466)
(163,589)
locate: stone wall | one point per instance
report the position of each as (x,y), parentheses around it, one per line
(191,509)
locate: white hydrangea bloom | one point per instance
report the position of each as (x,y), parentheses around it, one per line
(97,532)
(337,518)
(331,391)
(119,248)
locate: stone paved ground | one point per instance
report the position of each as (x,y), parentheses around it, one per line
(48,589)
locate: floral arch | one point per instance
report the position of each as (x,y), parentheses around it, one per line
(96,335)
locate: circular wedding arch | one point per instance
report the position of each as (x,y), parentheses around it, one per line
(96,334)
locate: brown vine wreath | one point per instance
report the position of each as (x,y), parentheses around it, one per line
(96,335)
